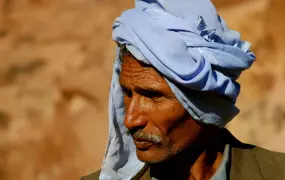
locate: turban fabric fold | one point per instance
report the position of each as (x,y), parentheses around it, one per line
(190,44)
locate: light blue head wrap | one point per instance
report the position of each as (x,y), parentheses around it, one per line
(190,44)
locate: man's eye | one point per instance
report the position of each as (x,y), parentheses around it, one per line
(151,94)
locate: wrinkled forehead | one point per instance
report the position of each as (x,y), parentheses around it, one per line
(135,70)
(128,60)
(137,74)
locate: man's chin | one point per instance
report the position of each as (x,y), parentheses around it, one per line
(151,157)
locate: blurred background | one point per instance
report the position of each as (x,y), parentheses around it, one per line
(56,60)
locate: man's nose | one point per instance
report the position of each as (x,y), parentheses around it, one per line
(134,117)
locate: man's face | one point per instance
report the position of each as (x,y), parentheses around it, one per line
(159,124)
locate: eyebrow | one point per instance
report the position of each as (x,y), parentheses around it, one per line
(142,90)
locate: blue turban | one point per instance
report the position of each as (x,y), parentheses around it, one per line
(190,44)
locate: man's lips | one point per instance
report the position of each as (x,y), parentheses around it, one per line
(142,144)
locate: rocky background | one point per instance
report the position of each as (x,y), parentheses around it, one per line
(55,68)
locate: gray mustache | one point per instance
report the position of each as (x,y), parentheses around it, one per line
(146,137)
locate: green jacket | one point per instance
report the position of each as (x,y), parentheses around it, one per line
(247,163)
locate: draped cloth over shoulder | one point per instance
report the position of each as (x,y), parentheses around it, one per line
(190,44)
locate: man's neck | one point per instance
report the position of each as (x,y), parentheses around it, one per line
(197,162)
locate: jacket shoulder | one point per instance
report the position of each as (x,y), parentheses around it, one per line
(92,176)
(251,162)
(272,164)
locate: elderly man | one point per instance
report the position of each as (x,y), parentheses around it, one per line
(173,91)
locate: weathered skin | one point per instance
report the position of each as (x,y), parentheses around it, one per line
(152,110)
